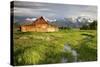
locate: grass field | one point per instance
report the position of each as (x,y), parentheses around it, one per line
(56,47)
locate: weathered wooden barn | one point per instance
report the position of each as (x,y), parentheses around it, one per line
(39,25)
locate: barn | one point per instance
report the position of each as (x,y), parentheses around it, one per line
(39,25)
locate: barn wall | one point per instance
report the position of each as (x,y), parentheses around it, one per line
(39,28)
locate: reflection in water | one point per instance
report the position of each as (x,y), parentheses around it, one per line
(67,48)
(63,60)
(74,53)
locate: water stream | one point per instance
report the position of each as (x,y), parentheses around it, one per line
(74,54)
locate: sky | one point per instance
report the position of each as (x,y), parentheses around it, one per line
(53,10)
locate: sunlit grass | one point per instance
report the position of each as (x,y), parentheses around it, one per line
(47,47)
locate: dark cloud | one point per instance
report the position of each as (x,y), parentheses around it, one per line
(53,10)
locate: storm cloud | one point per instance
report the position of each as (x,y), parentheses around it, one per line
(52,10)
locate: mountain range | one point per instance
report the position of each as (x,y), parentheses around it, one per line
(64,22)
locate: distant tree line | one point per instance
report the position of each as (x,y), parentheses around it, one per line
(91,26)
(65,28)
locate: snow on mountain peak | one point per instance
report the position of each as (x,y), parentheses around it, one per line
(30,19)
(46,19)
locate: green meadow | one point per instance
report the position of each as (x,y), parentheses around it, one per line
(64,46)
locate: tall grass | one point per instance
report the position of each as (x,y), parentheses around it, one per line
(46,48)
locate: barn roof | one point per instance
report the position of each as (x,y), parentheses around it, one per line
(39,20)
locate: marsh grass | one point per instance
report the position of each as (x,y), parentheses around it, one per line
(47,47)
